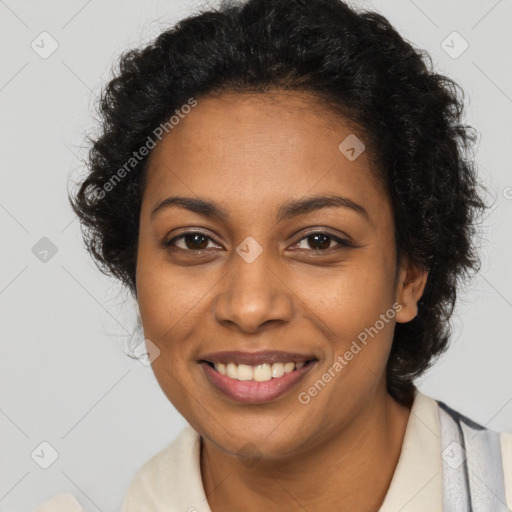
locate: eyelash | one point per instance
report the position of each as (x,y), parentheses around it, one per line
(341,242)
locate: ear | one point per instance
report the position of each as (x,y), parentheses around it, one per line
(412,280)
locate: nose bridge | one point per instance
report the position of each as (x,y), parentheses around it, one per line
(253,294)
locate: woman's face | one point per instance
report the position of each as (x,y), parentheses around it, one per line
(251,275)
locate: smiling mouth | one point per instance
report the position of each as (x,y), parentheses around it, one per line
(258,373)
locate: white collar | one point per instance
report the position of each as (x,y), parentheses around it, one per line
(417,484)
(171,480)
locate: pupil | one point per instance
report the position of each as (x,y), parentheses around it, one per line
(324,241)
(195,245)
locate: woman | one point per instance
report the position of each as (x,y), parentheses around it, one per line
(284,187)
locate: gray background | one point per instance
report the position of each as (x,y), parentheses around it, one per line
(65,378)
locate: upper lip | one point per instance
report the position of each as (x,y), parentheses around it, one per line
(255,358)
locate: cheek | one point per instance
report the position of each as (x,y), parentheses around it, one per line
(355,312)
(170,309)
(169,299)
(350,298)
(354,309)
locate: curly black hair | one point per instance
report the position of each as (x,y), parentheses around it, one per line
(358,65)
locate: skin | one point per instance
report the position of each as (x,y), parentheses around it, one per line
(250,154)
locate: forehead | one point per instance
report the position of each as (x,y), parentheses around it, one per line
(261,148)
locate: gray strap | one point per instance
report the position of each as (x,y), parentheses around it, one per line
(473,479)
(455,479)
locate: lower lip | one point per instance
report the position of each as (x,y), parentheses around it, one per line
(250,391)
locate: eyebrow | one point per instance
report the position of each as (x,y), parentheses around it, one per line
(287,210)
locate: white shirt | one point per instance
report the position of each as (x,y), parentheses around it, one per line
(171,480)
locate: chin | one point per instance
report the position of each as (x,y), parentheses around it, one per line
(254,442)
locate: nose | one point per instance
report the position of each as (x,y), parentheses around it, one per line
(253,295)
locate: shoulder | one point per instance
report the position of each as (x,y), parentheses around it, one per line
(506,447)
(486,450)
(169,481)
(169,478)
(64,502)
(506,452)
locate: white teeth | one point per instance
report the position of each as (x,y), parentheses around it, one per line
(260,373)
(289,367)
(231,370)
(277,370)
(244,372)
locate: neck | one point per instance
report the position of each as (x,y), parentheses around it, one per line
(350,470)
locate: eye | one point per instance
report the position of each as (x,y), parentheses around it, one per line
(321,242)
(317,241)
(190,241)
